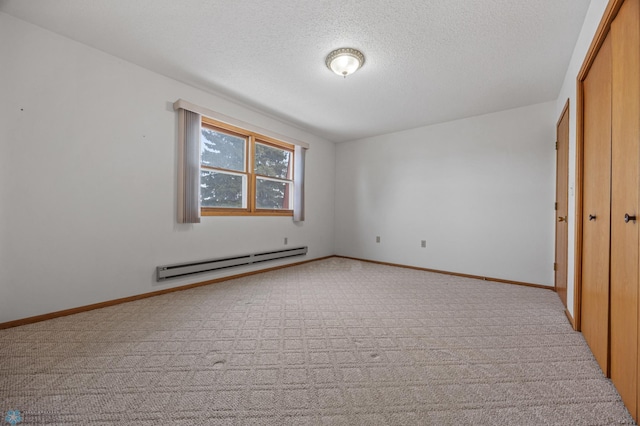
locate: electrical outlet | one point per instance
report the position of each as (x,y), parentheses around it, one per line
(423,243)
(286,241)
(377,239)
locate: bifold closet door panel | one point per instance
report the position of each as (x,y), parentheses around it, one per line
(625,39)
(597,206)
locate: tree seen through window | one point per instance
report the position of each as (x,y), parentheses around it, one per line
(228,182)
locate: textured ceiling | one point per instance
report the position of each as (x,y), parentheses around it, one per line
(427,61)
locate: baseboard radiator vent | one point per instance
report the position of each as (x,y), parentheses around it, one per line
(184,269)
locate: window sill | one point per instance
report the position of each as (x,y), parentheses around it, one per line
(232,212)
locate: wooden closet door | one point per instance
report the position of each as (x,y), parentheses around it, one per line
(597,206)
(562,204)
(625,39)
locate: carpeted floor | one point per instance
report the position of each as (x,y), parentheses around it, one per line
(332,342)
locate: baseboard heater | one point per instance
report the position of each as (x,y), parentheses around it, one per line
(190,268)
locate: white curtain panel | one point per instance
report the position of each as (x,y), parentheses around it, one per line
(298,184)
(189,167)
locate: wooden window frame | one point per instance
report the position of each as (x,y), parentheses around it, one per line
(251,139)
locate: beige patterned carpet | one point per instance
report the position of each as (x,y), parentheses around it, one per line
(332,342)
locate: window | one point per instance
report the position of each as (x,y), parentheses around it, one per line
(244,173)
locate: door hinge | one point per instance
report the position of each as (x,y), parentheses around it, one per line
(555,206)
(555,266)
(556,145)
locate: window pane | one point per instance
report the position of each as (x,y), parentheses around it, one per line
(222,150)
(222,190)
(273,195)
(272,162)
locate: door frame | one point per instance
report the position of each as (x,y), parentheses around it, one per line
(601,33)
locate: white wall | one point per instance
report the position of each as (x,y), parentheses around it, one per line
(568,91)
(480,191)
(4,163)
(88,179)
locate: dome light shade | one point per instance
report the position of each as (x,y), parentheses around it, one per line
(345,61)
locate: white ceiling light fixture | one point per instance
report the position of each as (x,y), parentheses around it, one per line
(345,61)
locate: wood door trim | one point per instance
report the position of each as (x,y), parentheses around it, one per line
(565,110)
(612,9)
(579,187)
(570,318)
